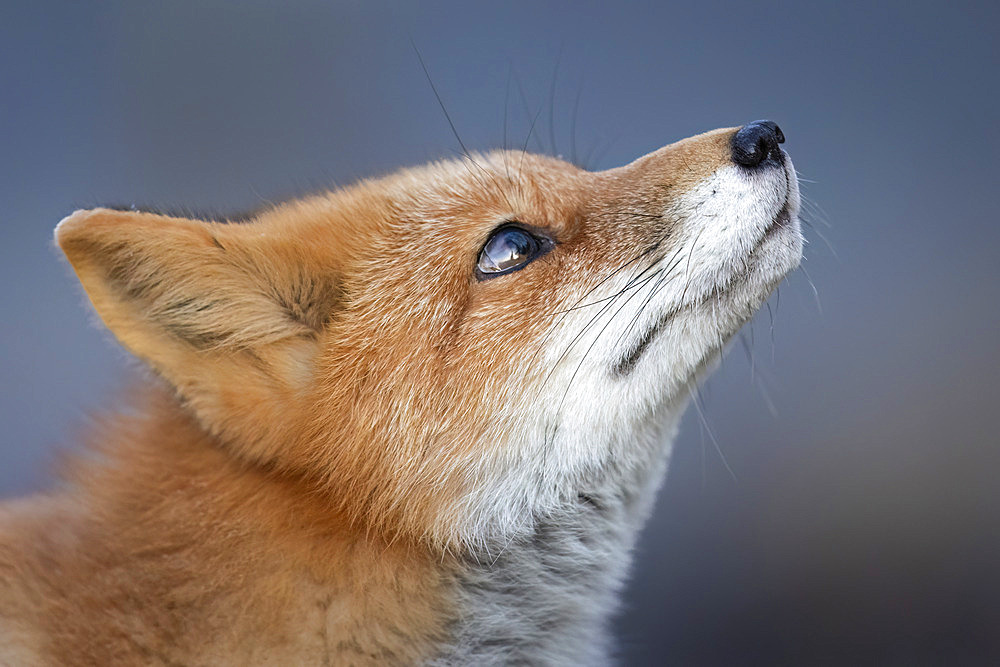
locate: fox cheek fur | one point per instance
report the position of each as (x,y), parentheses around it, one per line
(388,381)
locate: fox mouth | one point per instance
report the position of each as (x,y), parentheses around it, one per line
(628,361)
(781,222)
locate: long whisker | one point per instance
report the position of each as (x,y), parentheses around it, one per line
(572,127)
(506,111)
(580,306)
(586,328)
(563,314)
(665,277)
(527,114)
(552,103)
(636,282)
(593,343)
(437,95)
(454,130)
(524,148)
(819,306)
(699,407)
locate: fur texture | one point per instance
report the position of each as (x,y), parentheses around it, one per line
(359,453)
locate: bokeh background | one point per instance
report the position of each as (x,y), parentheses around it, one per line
(858,412)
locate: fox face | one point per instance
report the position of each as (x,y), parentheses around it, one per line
(450,351)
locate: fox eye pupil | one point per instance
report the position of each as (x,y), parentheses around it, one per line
(508,249)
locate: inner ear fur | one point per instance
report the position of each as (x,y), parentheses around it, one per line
(230,314)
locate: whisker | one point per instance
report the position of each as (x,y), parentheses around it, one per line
(748,351)
(665,277)
(632,283)
(611,275)
(711,435)
(819,306)
(687,270)
(454,130)
(572,127)
(777,305)
(447,116)
(586,328)
(770,316)
(822,237)
(816,209)
(590,347)
(527,114)
(506,110)
(552,102)
(578,306)
(524,148)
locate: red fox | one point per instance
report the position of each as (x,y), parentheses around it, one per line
(419,420)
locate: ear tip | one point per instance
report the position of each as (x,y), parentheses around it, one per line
(69,226)
(73,227)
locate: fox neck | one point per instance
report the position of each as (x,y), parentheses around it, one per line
(544,596)
(547,597)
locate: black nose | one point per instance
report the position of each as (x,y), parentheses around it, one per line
(757,142)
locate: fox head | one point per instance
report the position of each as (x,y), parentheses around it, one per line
(454,349)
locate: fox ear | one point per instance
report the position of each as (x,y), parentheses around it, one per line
(230,314)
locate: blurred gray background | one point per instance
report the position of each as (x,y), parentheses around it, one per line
(862,523)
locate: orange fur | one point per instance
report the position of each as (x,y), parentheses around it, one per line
(169,550)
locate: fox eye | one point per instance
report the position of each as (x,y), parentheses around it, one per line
(508,249)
